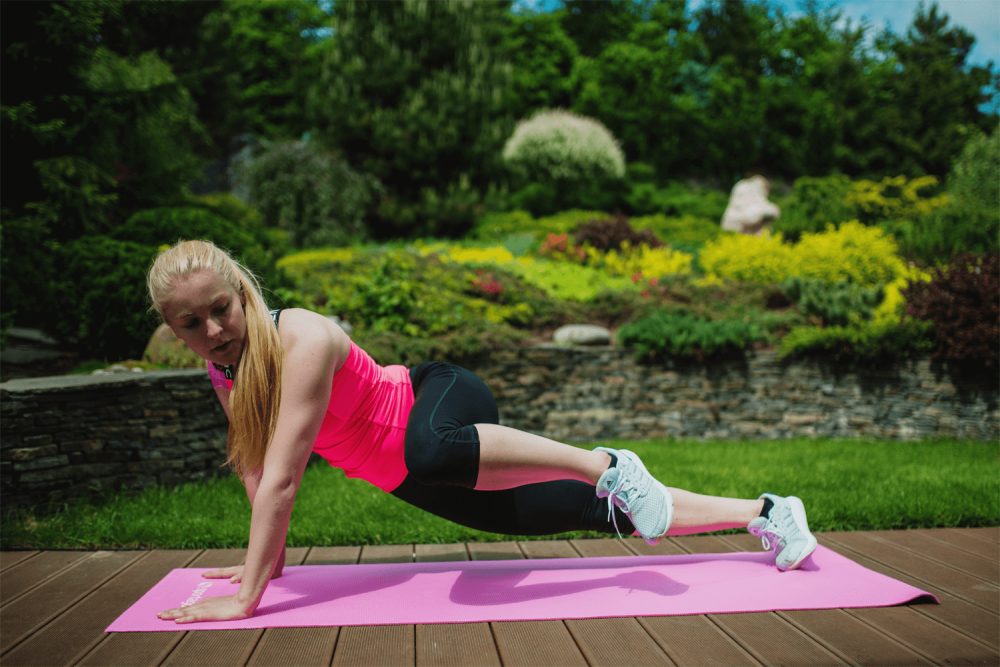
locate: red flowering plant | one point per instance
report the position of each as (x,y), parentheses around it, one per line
(559,247)
(487,284)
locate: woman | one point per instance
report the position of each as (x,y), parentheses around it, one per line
(292,382)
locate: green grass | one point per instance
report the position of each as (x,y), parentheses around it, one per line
(846,485)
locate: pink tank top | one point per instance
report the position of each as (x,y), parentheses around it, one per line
(365,423)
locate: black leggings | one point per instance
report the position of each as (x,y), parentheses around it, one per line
(442,457)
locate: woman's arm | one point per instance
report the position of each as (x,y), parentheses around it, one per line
(314,349)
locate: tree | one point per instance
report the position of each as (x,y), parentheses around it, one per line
(936,95)
(413,93)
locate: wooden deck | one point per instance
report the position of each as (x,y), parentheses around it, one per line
(54,606)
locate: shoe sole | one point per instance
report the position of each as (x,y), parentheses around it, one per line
(799,515)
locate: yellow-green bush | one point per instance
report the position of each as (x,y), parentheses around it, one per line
(761,259)
(894,198)
(865,256)
(641,261)
(563,280)
(854,253)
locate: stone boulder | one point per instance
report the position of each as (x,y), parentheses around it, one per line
(167,349)
(749,211)
(582,334)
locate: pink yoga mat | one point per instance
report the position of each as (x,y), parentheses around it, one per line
(528,590)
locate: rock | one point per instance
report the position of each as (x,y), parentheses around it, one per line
(165,348)
(582,334)
(749,211)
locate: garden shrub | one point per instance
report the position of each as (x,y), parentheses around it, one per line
(837,303)
(100,295)
(563,280)
(688,232)
(960,301)
(756,259)
(612,233)
(165,226)
(865,256)
(639,263)
(866,341)
(970,222)
(894,198)
(307,191)
(680,334)
(574,157)
(814,203)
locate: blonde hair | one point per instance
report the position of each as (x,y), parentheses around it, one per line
(256,394)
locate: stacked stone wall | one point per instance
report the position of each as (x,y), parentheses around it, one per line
(67,437)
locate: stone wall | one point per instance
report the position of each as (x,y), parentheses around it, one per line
(71,436)
(591,394)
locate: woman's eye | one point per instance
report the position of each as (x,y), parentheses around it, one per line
(191,325)
(222,310)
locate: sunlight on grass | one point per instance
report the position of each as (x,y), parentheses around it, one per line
(846,485)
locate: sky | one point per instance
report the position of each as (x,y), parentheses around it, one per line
(979,17)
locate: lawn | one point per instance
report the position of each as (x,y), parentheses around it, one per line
(856,484)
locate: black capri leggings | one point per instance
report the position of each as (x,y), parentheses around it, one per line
(442,457)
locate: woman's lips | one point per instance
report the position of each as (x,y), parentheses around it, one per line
(223,347)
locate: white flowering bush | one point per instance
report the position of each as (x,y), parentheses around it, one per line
(555,146)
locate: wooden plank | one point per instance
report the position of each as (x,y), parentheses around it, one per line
(849,636)
(959,615)
(990,535)
(553,549)
(695,640)
(617,641)
(294,646)
(942,552)
(387,645)
(85,623)
(214,647)
(494,550)
(965,538)
(955,582)
(28,613)
(769,638)
(685,639)
(527,642)
(10,558)
(452,643)
(20,578)
(923,634)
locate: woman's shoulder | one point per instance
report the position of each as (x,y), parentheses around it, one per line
(299,326)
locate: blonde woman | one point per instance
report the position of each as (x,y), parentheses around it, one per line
(292,383)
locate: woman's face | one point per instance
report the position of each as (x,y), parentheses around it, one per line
(207,314)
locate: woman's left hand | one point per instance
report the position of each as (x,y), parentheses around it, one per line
(222,608)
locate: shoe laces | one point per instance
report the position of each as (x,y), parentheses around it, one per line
(771,532)
(626,492)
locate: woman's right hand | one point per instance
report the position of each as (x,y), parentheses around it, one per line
(235,572)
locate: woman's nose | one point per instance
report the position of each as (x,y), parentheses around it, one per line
(213,328)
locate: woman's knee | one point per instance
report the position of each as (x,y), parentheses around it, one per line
(448,457)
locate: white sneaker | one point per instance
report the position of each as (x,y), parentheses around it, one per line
(785,530)
(629,486)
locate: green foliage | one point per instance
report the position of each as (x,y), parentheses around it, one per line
(613,233)
(686,233)
(306,191)
(414,94)
(100,297)
(837,303)
(961,303)
(562,280)
(868,341)
(970,221)
(571,159)
(680,334)
(675,200)
(813,204)
(252,67)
